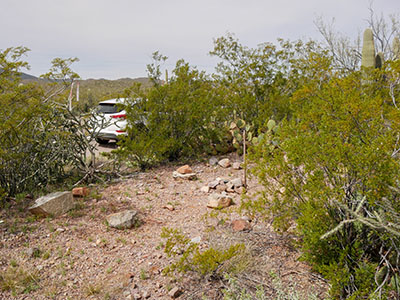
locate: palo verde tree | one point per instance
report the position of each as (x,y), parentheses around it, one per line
(252,80)
(172,120)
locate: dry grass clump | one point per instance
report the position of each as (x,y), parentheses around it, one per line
(18,280)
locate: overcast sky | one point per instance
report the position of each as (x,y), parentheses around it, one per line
(115,38)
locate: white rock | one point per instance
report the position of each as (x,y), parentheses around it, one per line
(225,163)
(123,220)
(219,200)
(205,189)
(237,182)
(236,166)
(53,204)
(190,176)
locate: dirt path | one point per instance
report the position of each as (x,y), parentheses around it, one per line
(77,256)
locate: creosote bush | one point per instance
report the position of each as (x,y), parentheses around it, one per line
(335,172)
(178,119)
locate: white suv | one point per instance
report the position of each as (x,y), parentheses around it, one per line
(112,114)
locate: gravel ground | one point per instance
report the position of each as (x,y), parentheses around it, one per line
(77,256)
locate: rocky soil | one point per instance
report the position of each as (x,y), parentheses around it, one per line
(79,256)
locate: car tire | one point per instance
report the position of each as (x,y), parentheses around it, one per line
(101,141)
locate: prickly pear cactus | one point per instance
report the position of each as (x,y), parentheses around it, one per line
(236,128)
(368,50)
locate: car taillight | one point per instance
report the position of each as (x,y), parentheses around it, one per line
(123,116)
(120,131)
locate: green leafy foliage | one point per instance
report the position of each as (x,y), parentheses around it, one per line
(335,172)
(173,120)
(43,138)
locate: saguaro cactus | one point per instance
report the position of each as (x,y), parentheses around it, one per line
(396,48)
(379,58)
(368,50)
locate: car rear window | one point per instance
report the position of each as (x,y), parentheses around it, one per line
(108,108)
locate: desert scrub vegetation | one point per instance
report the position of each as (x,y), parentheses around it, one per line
(335,172)
(44,139)
(211,262)
(329,167)
(18,280)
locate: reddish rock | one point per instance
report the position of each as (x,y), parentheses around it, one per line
(240,225)
(186,169)
(80,192)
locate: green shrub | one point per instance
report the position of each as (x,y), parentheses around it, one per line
(43,139)
(335,172)
(190,258)
(180,118)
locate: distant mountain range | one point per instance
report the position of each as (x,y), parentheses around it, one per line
(95,82)
(25,76)
(94,90)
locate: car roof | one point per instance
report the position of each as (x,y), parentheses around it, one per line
(113,101)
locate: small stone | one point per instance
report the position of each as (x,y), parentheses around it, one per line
(237,182)
(186,169)
(127,293)
(196,240)
(146,294)
(230,189)
(213,161)
(213,184)
(175,292)
(223,180)
(189,176)
(205,189)
(221,188)
(80,191)
(239,190)
(240,225)
(236,165)
(169,207)
(137,296)
(225,163)
(219,201)
(123,220)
